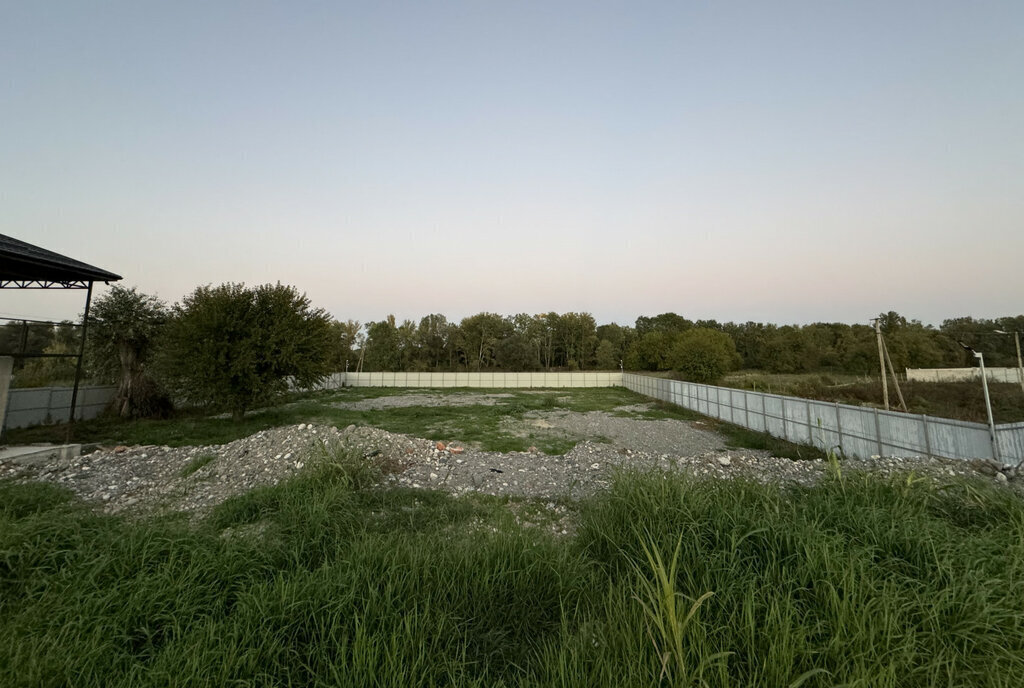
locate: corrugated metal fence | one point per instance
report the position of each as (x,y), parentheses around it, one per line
(856,431)
(38,405)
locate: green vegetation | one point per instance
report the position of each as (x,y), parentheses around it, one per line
(196,463)
(703,355)
(124,327)
(483,424)
(235,347)
(961,400)
(327,580)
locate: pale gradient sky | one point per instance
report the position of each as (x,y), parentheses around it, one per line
(773,161)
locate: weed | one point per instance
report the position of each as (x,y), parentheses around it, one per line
(668,620)
(195,464)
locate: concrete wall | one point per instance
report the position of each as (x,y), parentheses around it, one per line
(856,431)
(962,374)
(40,405)
(488,380)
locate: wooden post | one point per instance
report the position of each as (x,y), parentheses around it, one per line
(881,363)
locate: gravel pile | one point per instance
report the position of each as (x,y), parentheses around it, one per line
(188,479)
(193,479)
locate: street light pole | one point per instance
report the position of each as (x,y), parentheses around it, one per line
(988,401)
(988,406)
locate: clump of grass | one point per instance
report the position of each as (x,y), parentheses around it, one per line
(195,464)
(331,579)
(737,436)
(668,619)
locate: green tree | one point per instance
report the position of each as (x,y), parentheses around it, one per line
(434,335)
(383,352)
(669,323)
(345,343)
(124,326)
(703,355)
(481,334)
(649,351)
(236,347)
(410,355)
(607,356)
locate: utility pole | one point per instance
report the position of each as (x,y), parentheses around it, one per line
(1020,365)
(881,362)
(895,380)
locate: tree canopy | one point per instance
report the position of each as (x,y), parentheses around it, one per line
(237,347)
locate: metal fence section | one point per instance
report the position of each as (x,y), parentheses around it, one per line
(495,380)
(39,405)
(855,431)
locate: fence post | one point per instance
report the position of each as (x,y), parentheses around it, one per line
(785,425)
(878,433)
(839,430)
(746,410)
(927,441)
(810,428)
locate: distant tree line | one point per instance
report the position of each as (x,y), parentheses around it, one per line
(573,341)
(235,347)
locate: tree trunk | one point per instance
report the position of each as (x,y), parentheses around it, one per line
(237,414)
(130,385)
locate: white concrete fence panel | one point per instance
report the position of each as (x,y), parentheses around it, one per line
(495,380)
(963,374)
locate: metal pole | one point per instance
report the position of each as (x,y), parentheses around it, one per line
(78,365)
(988,406)
(881,364)
(1020,366)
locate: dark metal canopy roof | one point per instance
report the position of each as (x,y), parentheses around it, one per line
(25,266)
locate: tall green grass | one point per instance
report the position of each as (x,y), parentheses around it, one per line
(328,580)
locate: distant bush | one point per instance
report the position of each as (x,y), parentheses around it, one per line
(702,355)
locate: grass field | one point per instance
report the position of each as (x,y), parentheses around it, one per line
(960,400)
(481,424)
(328,581)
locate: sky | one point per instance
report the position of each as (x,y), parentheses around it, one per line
(785,162)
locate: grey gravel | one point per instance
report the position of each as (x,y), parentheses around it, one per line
(146,479)
(663,436)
